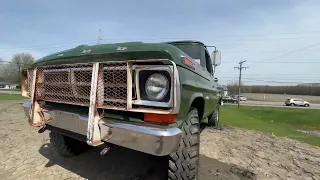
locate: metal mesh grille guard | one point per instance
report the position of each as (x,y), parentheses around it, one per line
(71,84)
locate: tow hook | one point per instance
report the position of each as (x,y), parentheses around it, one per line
(43,129)
(105,150)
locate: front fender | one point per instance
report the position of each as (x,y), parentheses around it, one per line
(193,97)
(187,100)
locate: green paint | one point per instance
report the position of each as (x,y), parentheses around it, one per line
(195,82)
(112,52)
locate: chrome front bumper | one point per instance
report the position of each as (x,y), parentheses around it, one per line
(152,139)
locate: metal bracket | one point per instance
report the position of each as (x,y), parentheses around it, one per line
(93,131)
(35,118)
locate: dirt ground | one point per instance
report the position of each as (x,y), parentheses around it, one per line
(226,154)
(280,97)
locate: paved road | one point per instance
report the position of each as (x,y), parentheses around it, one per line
(275,104)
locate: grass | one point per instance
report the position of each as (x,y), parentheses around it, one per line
(4,96)
(281,121)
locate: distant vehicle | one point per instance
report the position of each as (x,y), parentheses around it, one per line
(242,98)
(229,99)
(297,102)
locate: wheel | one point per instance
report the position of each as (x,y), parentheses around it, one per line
(307,105)
(184,163)
(291,104)
(67,146)
(213,119)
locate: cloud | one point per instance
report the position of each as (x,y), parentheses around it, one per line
(301,17)
(7,51)
(232,26)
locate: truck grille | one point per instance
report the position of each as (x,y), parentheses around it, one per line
(71,84)
(112,85)
(65,84)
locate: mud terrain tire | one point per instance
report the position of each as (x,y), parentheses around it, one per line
(184,163)
(213,119)
(67,146)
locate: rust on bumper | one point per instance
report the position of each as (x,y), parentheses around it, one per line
(148,138)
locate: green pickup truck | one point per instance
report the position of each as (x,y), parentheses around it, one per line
(149,97)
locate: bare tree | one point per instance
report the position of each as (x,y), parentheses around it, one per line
(2,78)
(11,71)
(233,86)
(22,60)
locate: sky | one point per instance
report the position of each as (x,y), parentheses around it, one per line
(280,40)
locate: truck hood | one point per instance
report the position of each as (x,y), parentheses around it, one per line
(113,52)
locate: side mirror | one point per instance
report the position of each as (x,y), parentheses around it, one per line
(216,58)
(215,79)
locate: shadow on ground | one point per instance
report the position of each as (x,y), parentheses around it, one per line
(119,164)
(125,164)
(211,169)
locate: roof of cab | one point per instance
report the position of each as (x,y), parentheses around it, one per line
(185,41)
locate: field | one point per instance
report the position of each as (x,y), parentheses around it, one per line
(280,97)
(4,96)
(299,124)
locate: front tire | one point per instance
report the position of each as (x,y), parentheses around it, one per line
(213,119)
(184,163)
(67,146)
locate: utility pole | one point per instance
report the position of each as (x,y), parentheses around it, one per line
(99,36)
(240,67)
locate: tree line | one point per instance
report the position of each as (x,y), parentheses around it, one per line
(303,89)
(10,71)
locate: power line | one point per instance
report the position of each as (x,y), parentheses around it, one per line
(266,51)
(240,67)
(284,62)
(289,53)
(273,34)
(178,38)
(269,39)
(48,45)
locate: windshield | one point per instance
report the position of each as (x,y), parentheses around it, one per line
(193,50)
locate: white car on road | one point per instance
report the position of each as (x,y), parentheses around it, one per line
(297,102)
(242,98)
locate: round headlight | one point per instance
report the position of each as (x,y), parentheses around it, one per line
(157,86)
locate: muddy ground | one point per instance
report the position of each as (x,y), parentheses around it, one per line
(226,154)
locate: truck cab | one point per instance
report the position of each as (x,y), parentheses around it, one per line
(149,97)
(205,80)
